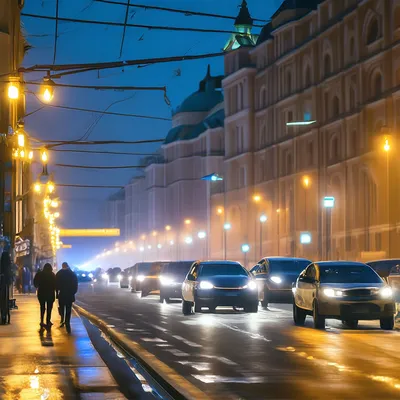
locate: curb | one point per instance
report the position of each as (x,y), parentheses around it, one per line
(175,384)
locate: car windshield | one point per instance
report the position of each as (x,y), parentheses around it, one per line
(223,269)
(179,269)
(348,274)
(288,266)
(142,268)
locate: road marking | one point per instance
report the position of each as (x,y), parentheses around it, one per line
(251,334)
(228,379)
(155,340)
(188,342)
(222,359)
(110,326)
(164,345)
(114,318)
(160,328)
(178,353)
(199,366)
(130,324)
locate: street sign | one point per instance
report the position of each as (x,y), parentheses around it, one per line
(22,247)
(329,202)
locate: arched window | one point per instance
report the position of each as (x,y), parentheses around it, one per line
(377,85)
(326,104)
(263,97)
(240,96)
(334,149)
(396,16)
(307,77)
(263,136)
(327,65)
(289,164)
(335,107)
(373,31)
(352,97)
(288,82)
(353,144)
(352,48)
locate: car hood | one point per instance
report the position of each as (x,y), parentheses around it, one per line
(352,285)
(227,281)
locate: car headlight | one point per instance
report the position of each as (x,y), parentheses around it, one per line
(95,280)
(130,278)
(90,275)
(140,278)
(276,279)
(166,281)
(105,276)
(386,292)
(119,277)
(333,293)
(83,275)
(206,285)
(251,285)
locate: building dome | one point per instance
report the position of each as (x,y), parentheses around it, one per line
(206,98)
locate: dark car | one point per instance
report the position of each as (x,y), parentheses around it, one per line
(171,278)
(151,281)
(275,276)
(138,273)
(383,267)
(218,283)
(345,290)
(112,276)
(84,276)
(125,278)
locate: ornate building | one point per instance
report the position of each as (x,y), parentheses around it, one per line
(334,67)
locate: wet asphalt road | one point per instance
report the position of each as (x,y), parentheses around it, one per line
(232,355)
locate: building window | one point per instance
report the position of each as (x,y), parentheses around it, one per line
(239,140)
(263,136)
(240,97)
(353,144)
(242,177)
(326,105)
(327,65)
(310,154)
(377,85)
(263,97)
(373,31)
(352,98)
(396,21)
(335,107)
(288,82)
(334,149)
(352,48)
(307,77)
(289,164)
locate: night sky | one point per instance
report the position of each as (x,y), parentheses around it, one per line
(80,43)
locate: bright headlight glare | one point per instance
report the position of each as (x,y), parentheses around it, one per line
(276,279)
(130,278)
(333,293)
(119,277)
(165,280)
(206,285)
(104,276)
(140,278)
(386,292)
(252,285)
(90,275)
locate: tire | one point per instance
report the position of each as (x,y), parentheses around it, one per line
(319,320)
(251,308)
(187,307)
(350,323)
(387,324)
(161,298)
(299,315)
(197,308)
(167,300)
(265,301)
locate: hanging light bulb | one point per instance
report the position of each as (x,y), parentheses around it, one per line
(21,140)
(37,187)
(13,91)
(47,90)
(44,157)
(30,155)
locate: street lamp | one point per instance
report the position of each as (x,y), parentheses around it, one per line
(306,184)
(220,211)
(201,235)
(329,203)
(47,90)
(263,219)
(13,90)
(167,227)
(245,250)
(188,221)
(257,198)
(188,240)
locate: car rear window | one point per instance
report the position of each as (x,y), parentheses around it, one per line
(179,268)
(383,268)
(348,274)
(222,269)
(288,266)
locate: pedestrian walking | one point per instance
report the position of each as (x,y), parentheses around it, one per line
(45,283)
(67,287)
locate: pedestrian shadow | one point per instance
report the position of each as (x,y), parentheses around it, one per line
(45,337)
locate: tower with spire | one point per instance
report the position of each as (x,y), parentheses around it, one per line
(243,26)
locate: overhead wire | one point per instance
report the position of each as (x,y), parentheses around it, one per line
(56,34)
(56,143)
(124,31)
(90,186)
(175,10)
(120,153)
(100,166)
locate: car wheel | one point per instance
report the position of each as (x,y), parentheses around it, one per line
(197,307)
(299,315)
(387,323)
(319,320)
(265,301)
(251,308)
(167,300)
(350,323)
(187,307)
(161,298)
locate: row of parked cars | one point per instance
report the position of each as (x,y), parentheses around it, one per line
(348,291)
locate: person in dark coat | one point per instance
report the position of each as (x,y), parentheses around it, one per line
(67,287)
(45,282)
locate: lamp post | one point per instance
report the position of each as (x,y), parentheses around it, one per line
(278,214)
(263,220)
(202,235)
(257,200)
(245,250)
(329,203)
(386,148)
(227,227)
(306,184)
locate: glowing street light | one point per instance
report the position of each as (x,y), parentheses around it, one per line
(227,226)
(201,235)
(159,246)
(37,187)
(386,146)
(154,233)
(44,157)
(171,242)
(167,227)
(188,221)
(263,218)
(21,140)
(220,210)
(305,238)
(188,240)
(50,187)
(13,91)
(306,181)
(245,250)
(48,90)
(257,198)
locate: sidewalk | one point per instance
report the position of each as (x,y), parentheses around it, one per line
(53,365)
